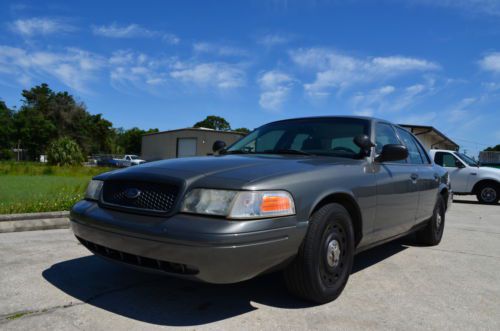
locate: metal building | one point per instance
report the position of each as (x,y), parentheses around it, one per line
(431,137)
(183,142)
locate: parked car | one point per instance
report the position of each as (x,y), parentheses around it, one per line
(301,195)
(468,177)
(132,160)
(109,161)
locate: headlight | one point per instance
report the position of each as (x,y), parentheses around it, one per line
(239,204)
(94,190)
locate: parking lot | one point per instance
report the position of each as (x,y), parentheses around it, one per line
(48,281)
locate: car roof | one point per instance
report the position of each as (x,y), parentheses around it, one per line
(442,150)
(366,118)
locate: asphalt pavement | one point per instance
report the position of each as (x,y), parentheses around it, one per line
(49,281)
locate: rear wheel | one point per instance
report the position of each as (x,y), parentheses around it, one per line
(488,193)
(433,232)
(322,267)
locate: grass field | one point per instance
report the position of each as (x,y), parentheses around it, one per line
(34,187)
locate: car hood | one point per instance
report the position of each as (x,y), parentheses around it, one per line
(233,168)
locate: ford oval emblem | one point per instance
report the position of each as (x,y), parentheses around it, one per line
(132,193)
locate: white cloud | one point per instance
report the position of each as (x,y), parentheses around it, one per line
(485,7)
(491,62)
(221,50)
(334,70)
(418,119)
(388,99)
(270,40)
(221,75)
(138,69)
(39,26)
(491,86)
(73,67)
(275,88)
(133,31)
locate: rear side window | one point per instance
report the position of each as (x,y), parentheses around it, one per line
(445,159)
(423,153)
(414,156)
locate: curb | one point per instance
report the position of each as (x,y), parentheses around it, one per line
(34,221)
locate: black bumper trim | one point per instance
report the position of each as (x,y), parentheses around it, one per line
(136,260)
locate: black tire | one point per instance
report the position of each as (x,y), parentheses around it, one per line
(488,193)
(433,232)
(313,274)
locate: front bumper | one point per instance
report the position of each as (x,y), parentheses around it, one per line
(203,248)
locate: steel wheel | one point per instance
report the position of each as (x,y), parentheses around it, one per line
(488,194)
(332,265)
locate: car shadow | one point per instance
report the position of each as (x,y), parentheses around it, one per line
(163,300)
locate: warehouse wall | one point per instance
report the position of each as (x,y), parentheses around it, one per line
(429,139)
(163,145)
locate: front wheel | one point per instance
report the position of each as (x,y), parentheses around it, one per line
(488,193)
(322,267)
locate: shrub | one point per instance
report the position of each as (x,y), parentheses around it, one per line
(64,151)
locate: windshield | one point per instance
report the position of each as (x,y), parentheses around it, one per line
(467,159)
(134,157)
(313,136)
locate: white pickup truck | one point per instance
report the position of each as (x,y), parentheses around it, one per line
(468,177)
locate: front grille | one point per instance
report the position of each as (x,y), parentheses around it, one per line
(137,260)
(154,197)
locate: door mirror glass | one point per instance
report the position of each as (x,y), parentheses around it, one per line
(218,146)
(393,152)
(459,164)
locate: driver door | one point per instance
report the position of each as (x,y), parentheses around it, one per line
(459,173)
(397,189)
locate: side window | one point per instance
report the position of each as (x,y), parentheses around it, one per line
(445,160)
(414,156)
(384,135)
(423,153)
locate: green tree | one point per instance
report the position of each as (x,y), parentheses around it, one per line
(7,131)
(130,141)
(33,131)
(493,149)
(64,151)
(61,116)
(242,130)
(214,122)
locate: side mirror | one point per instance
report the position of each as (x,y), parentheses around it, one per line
(393,152)
(218,146)
(364,142)
(459,164)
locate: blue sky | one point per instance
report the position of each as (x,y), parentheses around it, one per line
(168,64)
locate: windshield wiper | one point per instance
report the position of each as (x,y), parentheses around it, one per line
(286,151)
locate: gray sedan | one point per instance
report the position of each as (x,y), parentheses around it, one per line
(301,195)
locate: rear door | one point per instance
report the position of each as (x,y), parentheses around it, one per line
(397,193)
(427,178)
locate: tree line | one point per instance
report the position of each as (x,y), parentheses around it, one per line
(46,116)
(54,123)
